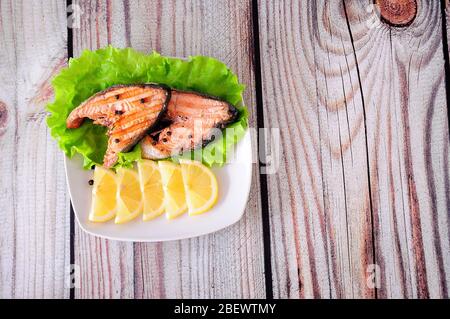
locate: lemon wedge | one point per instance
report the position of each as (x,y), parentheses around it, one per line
(200,185)
(151,189)
(174,196)
(103,195)
(129,197)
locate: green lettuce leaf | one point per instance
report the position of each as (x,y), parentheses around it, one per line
(95,71)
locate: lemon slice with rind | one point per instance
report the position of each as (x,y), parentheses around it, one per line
(174,195)
(151,188)
(200,185)
(129,197)
(103,206)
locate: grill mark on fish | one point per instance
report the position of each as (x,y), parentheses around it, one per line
(142,125)
(137,115)
(135,118)
(194,121)
(129,111)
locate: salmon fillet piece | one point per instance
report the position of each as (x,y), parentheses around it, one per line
(128,111)
(193,121)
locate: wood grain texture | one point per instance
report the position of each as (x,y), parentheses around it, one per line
(408,151)
(363,175)
(228,263)
(106,266)
(447,22)
(34,237)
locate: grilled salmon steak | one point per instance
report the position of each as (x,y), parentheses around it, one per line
(193,120)
(128,111)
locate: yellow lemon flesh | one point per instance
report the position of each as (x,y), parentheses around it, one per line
(174,196)
(129,197)
(200,186)
(103,195)
(151,188)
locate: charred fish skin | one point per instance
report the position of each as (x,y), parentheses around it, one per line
(233,112)
(128,111)
(195,119)
(117,145)
(112,94)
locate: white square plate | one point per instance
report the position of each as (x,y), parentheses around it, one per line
(234,181)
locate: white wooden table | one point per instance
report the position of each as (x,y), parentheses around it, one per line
(363,178)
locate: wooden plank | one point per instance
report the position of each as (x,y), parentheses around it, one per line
(362,113)
(106,266)
(228,263)
(447,17)
(447,25)
(319,198)
(408,143)
(34,241)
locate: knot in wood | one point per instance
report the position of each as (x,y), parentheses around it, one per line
(3,116)
(398,13)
